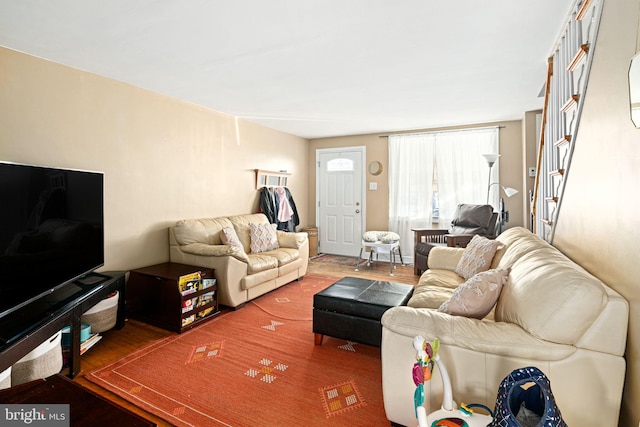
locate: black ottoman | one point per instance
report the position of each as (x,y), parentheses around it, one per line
(351,309)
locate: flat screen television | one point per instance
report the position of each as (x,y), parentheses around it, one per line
(51,230)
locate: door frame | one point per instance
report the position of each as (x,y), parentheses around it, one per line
(362,150)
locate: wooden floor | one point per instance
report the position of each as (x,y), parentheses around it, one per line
(118,343)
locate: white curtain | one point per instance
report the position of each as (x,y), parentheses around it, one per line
(410,185)
(462,175)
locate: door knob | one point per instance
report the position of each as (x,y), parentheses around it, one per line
(357,210)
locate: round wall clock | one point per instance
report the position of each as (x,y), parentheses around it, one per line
(375,168)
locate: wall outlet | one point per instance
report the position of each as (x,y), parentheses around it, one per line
(532,172)
(373,186)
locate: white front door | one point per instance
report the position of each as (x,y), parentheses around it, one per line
(340,204)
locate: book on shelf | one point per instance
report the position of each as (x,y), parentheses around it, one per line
(188,304)
(84,345)
(188,320)
(206,298)
(204,312)
(189,283)
(208,283)
(90,342)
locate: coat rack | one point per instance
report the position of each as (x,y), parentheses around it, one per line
(266,178)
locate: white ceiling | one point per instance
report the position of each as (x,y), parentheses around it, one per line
(309,68)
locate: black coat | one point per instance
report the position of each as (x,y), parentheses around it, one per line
(269,205)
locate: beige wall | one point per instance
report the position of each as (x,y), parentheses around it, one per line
(163,159)
(511,171)
(599,222)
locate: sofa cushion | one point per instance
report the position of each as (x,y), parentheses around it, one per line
(434,288)
(430,297)
(229,237)
(477,256)
(263,237)
(291,240)
(261,262)
(205,230)
(381,236)
(476,297)
(203,249)
(518,242)
(284,256)
(548,295)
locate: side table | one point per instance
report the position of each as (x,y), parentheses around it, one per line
(153,297)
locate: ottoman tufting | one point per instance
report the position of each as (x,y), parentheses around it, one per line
(351,309)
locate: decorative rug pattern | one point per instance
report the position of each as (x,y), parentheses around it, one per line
(341,397)
(202,352)
(254,366)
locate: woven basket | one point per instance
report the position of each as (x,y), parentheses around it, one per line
(44,361)
(103,315)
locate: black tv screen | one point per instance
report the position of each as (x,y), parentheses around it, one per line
(51,230)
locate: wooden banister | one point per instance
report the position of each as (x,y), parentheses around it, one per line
(543,126)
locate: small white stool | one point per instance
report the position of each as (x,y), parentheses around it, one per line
(379,247)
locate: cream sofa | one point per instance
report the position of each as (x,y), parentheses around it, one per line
(551,314)
(241,275)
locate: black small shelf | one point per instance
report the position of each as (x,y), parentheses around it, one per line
(153,296)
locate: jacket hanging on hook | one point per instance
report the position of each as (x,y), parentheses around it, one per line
(279,207)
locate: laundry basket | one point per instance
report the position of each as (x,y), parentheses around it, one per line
(312,231)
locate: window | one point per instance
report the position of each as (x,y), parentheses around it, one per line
(431,173)
(339,165)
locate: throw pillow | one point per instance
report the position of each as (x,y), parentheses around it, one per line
(229,237)
(370,236)
(381,236)
(476,297)
(477,256)
(263,237)
(389,237)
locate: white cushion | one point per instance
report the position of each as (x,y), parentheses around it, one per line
(263,237)
(229,237)
(381,236)
(476,297)
(477,256)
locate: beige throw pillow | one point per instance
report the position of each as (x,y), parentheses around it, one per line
(229,237)
(476,297)
(477,256)
(263,237)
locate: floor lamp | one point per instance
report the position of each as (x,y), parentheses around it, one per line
(508,191)
(491,160)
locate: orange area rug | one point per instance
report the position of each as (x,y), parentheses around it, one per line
(257,366)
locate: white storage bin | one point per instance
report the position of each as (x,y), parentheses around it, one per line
(103,315)
(5,378)
(43,361)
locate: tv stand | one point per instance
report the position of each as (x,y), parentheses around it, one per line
(23,330)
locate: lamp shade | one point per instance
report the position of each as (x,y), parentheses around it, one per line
(491,158)
(509,192)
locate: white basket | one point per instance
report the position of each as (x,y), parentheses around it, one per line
(103,315)
(43,361)
(5,378)
(52,342)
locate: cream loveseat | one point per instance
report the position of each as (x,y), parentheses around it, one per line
(551,314)
(241,275)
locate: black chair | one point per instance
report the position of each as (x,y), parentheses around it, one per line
(468,221)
